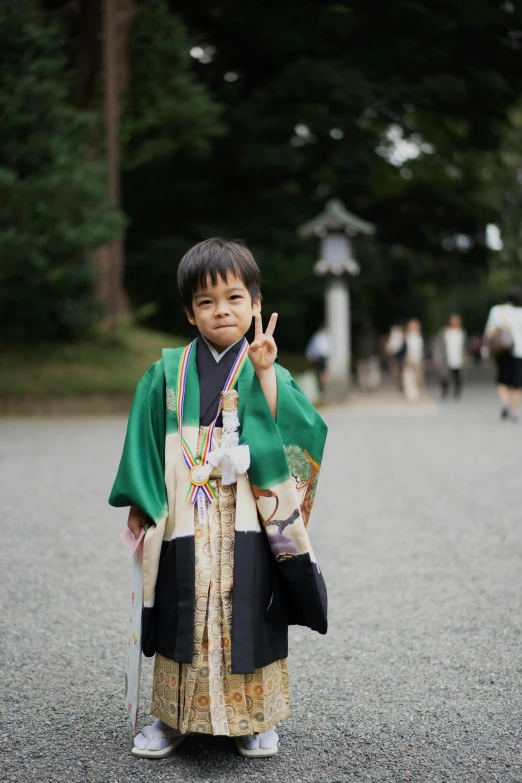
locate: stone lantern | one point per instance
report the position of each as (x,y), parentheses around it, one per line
(336,227)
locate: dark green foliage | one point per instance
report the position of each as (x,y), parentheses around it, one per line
(166,109)
(53,208)
(502,187)
(444,75)
(292,104)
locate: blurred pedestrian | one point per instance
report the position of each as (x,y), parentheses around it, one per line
(318,350)
(475,347)
(413,369)
(503,335)
(366,353)
(449,353)
(395,350)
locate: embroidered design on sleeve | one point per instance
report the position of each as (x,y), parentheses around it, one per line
(171,400)
(281,545)
(305,472)
(299,465)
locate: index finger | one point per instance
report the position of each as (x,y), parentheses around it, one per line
(258,327)
(271,325)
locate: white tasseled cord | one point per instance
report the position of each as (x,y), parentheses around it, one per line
(229,440)
(234,458)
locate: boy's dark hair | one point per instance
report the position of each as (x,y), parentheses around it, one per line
(514,296)
(214,257)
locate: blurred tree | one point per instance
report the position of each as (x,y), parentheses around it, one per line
(163,107)
(391,108)
(167,109)
(244,124)
(53,208)
(502,187)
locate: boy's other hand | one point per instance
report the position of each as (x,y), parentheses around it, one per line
(135,521)
(263,350)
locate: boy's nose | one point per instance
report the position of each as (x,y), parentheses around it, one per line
(222,308)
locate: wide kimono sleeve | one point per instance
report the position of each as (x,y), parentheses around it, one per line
(295,413)
(286,456)
(140,480)
(298,421)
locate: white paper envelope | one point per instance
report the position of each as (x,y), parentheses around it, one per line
(133,663)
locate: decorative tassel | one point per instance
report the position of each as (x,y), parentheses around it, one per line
(230,437)
(228,474)
(233,458)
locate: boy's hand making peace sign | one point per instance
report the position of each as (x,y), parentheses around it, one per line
(263,350)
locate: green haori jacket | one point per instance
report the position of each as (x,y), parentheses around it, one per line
(277,581)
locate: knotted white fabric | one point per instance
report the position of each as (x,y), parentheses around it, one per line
(233,458)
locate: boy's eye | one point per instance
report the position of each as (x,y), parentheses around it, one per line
(205,302)
(236,296)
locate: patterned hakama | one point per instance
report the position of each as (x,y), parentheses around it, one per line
(204,696)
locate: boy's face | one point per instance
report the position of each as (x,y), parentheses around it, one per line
(223,312)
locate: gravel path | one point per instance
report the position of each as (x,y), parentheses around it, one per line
(419,676)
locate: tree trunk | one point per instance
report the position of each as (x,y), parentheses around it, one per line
(103,56)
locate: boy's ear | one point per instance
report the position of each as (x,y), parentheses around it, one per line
(190,316)
(256,306)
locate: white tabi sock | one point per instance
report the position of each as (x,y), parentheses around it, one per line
(250,742)
(155,737)
(266,739)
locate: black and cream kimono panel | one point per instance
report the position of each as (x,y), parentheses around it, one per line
(259,633)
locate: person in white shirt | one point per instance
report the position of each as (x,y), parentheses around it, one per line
(506,319)
(395,349)
(413,371)
(449,354)
(318,350)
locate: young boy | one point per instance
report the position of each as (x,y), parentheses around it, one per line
(227,564)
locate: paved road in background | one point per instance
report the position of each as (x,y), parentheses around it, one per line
(418,530)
